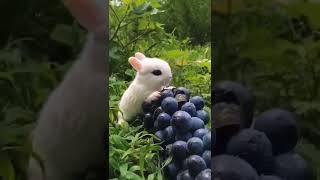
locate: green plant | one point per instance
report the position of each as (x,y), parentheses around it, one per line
(133,154)
(132,29)
(188,19)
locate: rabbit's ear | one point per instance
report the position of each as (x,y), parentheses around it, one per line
(139,55)
(135,63)
(89,13)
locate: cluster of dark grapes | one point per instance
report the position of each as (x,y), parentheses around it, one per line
(263,149)
(179,121)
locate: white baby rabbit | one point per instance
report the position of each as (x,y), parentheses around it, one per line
(153,74)
(69,135)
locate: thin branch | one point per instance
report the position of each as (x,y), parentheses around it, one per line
(121,44)
(152,46)
(138,37)
(119,25)
(293,31)
(114,12)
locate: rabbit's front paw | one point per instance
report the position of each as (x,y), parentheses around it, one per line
(121,118)
(153,97)
(122,123)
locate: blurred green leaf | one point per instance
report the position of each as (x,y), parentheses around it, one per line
(64,34)
(309,9)
(142,8)
(6,168)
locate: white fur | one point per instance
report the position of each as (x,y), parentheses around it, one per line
(69,135)
(144,85)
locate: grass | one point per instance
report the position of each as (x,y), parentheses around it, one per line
(133,153)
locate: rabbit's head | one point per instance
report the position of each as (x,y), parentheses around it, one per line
(91,14)
(152,73)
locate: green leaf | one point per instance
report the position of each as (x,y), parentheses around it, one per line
(39,160)
(6,167)
(123,169)
(155,3)
(141,163)
(174,54)
(118,141)
(151,176)
(142,8)
(7,76)
(309,9)
(14,113)
(167,161)
(11,56)
(133,176)
(118,2)
(134,168)
(130,72)
(64,34)
(129,151)
(159,176)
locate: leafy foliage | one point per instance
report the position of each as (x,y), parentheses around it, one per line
(133,154)
(188,19)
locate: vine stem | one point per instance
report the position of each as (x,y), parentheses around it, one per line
(138,37)
(120,22)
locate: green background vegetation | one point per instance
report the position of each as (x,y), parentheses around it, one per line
(273,48)
(177,31)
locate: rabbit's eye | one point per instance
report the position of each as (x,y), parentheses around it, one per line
(156,72)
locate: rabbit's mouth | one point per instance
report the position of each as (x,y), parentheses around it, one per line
(169,81)
(166,83)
